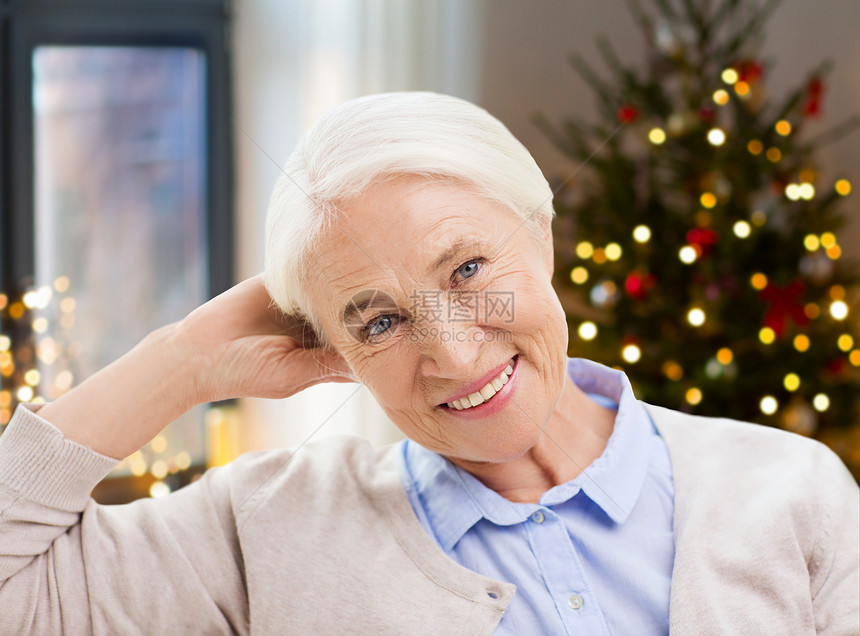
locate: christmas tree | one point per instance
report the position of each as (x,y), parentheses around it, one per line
(700,253)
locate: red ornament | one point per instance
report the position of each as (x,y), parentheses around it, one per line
(786,303)
(703,239)
(749,71)
(707,113)
(836,366)
(638,284)
(628,113)
(814,93)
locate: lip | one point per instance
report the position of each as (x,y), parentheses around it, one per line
(495,404)
(477,385)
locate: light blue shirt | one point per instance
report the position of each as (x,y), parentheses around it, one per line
(595,555)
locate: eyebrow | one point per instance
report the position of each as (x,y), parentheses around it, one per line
(354,309)
(452,252)
(377,299)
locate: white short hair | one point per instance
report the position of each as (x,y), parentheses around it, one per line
(369,139)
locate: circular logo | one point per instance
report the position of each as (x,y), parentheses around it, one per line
(363,308)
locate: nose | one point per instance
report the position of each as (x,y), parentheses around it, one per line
(450,350)
(451,354)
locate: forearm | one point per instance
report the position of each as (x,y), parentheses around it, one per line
(123,406)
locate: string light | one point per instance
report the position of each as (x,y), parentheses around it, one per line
(741,229)
(641,234)
(696,317)
(801,342)
(839,310)
(767,335)
(828,239)
(599,255)
(64,380)
(843,187)
(24,393)
(845,341)
(721,97)
(725,356)
(657,136)
(587,330)
(631,353)
(673,370)
(693,395)
(729,76)
(821,402)
(716,137)
(837,292)
(768,405)
(61,284)
(833,252)
(759,218)
(158,489)
(758,281)
(811,310)
(5,343)
(708,200)
(783,127)
(806,191)
(755,147)
(183,460)
(811,242)
(613,251)
(158,469)
(584,250)
(854,357)
(792,191)
(579,275)
(791,382)
(137,465)
(742,89)
(33,376)
(158,444)
(688,254)
(773,155)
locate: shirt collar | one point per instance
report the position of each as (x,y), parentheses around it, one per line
(454,500)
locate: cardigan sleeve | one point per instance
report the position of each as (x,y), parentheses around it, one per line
(834,568)
(70,565)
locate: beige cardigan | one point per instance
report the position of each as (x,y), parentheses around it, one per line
(766,534)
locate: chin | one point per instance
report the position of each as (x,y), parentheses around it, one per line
(506,446)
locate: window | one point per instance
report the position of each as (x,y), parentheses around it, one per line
(114,192)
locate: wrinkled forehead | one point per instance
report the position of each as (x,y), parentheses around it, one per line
(397,237)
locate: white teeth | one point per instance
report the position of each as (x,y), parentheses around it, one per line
(491,388)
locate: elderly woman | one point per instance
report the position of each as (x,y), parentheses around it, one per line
(409,248)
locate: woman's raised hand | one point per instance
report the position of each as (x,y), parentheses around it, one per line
(250,348)
(236,345)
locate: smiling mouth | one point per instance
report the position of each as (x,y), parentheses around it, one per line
(486,392)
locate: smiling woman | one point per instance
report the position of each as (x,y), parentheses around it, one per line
(409,249)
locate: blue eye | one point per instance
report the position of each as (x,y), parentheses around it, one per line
(467,270)
(378,327)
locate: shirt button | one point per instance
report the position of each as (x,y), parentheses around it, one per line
(537,516)
(575,601)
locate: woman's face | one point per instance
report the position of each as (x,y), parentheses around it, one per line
(429,291)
